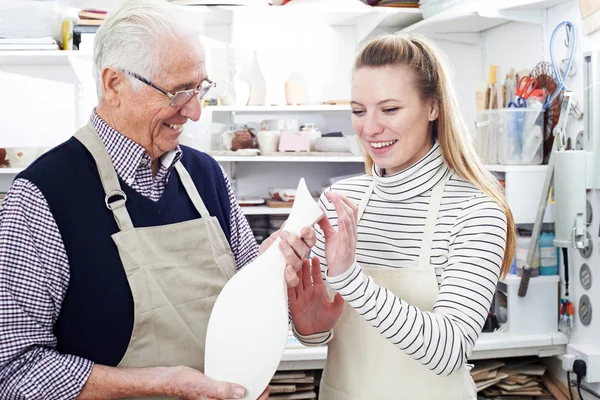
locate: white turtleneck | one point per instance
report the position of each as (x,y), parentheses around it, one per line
(467,251)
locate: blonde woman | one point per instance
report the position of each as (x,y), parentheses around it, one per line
(414,248)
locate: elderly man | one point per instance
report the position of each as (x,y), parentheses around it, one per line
(115,244)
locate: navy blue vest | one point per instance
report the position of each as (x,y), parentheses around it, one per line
(96,317)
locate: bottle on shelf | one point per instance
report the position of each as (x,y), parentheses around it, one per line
(548,254)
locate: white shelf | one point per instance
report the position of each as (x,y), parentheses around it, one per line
(321,158)
(40,57)
(10,171)
(516,168)
(489,345)
(505,344)
(464,24)
(266,109)
(264,210)
(292,158)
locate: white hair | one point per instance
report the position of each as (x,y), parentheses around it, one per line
(130,37)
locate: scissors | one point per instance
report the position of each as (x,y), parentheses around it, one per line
(526,86)
(519,103)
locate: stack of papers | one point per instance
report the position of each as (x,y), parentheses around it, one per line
(43,43)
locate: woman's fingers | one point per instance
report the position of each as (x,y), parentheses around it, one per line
(317,276)
(306,275)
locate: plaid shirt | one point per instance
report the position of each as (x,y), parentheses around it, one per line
(34,274)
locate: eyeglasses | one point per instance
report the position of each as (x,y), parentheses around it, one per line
(181,97)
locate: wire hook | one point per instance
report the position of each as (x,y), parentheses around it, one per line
(568,39)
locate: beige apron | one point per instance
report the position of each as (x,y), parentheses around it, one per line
(363,365)
(175,272)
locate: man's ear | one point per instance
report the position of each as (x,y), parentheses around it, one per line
(112,85)
(434,110)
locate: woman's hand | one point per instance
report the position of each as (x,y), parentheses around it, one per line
(294,249)
(310,305)
(340,245)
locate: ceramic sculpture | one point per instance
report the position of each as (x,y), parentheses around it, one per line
(248,326)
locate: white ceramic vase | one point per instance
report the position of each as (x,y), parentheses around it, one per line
(258,85)
(248,327)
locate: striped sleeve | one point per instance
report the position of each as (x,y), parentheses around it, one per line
(442,339)
(243,243)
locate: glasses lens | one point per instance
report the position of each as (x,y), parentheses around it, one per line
(206,87)
(181,98)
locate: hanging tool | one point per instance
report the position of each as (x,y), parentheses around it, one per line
(569,44)
(565,323)
(560,144)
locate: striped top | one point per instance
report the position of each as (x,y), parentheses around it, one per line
(467,252)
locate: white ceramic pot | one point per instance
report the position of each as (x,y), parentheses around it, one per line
(268,141)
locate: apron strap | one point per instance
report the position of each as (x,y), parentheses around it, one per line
(432,215)
(88,136)
(191,190)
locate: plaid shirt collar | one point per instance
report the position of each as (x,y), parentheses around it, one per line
(127,156)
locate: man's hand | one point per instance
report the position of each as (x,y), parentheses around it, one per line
(180,382)
(293,248)
(190,384)
(310,305)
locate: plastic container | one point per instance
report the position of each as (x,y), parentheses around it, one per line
(485,138)
(512,136)
(548,254)
(521,256)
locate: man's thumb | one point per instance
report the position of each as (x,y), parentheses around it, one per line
(225,390)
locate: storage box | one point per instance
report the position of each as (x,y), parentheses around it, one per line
(512,136)
(535,313)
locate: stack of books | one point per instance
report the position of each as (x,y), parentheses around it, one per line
(91,17)
(85,28)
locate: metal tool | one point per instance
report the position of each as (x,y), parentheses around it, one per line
(559,145)
(537,228)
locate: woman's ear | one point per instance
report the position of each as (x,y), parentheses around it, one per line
(434,110)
